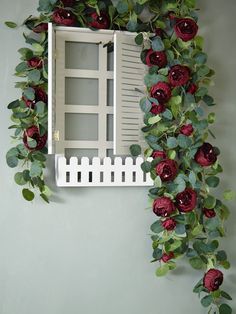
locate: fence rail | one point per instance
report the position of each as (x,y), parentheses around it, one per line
(100,172)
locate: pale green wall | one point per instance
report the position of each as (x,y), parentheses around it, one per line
(88,251)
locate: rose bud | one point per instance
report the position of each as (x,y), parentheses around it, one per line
(40,95)
(186,29)
(213,279)
(192,88)
(179,75)
(35,62)
(186,201)
(161,91)
(159,154)
(205,155)
(163,206)
(68,3)
(101,21)
(42,27)
(64,17)
(167,169)
(169,224)
(166,257)
(186,129)
(33,133)
(209,213)
(156,58)
(157,109)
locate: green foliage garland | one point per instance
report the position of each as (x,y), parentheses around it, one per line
(184,166)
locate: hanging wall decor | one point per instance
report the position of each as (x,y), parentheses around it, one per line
(179,158)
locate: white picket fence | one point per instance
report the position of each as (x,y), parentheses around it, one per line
(100,172)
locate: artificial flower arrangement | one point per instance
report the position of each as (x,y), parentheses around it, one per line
(184,165)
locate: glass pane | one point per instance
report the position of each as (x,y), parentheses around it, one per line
(81,126)
(81,91)
(80,152)
(110,60)
(110,93)
(110,127)
(81,56)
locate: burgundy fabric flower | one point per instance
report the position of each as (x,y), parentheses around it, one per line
(159,154)
(163,206)
(192,88)
(101,21)
(205,155)
(156,58)
(40,95)
(167,169)
(64,17)
(186,129)
(209,213)
(157,109)
(186,201)
(179,75)
(169,224)
(42,27)
(213,279)
(186,29)
(166,257)
(33,133)
(68,3)
(35,62)
(161,91)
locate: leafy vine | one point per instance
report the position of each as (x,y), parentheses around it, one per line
(184,166)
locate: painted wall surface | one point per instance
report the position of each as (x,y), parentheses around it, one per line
(89,250)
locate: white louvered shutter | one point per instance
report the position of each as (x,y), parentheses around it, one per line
(128,75)
(51,88)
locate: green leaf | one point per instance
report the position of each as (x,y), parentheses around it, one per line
(209,101)
(35,169)
(209,202)
(44,197)
(206,301)
(157,44)
(184,141)
(156,227)
(196,262)
(221,256)
(39,156)
(211,117)
(180,229)
(40,107)
(10,24)
(212,181)
(14,104)
(29,93)
(154,119)
(146,166)
(229,195)
(172,142)
(162,270)
(28,195)
(122,7)
(34,75)
(225,295)
(12,161)
(212,223)
(139,39)
(158,182)
(167,114)
(21,67)
(145,104)
(135,150)
(19,178)
(200,58)
(225,309)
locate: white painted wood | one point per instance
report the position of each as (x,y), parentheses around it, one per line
(128,74)
(100,172)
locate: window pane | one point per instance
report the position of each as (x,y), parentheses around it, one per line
(81,126)
(110,127)
(81,91)
(110,60)
(79,152)
(81,56)
(110,92)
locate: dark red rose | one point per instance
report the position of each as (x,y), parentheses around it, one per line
(40,95)
(35,62)
(209,213)
(68,3)
(159,32)
(166,257)
(101,21)
(192,88)
(43,27)
(159,154)
(157,109)
(186,129)
(33,133)
(169,224)
(179,75)
(64,17)
(163,206)
(186,29)
(213,279)
(167,169)
(186,201)
(161,91)
(156,58)
(205,156)
(171,15)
